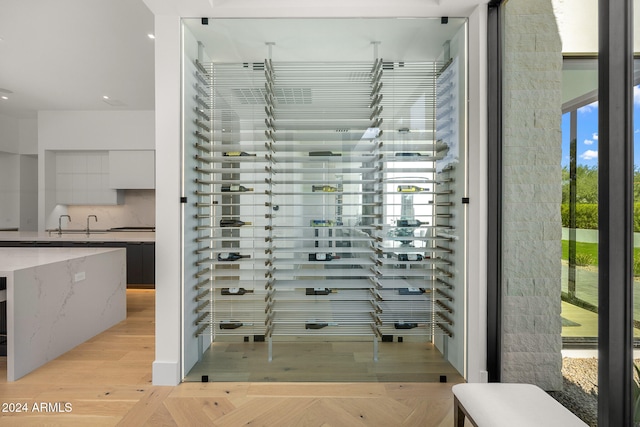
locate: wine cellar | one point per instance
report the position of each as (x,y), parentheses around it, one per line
(322,200)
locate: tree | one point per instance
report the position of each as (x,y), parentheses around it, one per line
(636,184)
(586,184)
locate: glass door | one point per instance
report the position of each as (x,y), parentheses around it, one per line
(325,238)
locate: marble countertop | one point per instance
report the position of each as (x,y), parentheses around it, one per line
(109,236)
(13,259)
(58,298)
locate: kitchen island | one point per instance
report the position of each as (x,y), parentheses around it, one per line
(77,236)
(57,298)
(140,247)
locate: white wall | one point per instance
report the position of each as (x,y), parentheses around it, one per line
(28,136)
(578,24)
(531,225)
(18,141)
(9,134)
(9,170)
(96,130)
(138,210)
(84,130)
(28,193)
(9,191)
(166,367)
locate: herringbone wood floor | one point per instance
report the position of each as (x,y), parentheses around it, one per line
(107,382)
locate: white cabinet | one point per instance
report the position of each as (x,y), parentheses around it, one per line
(82,178)
(132,169)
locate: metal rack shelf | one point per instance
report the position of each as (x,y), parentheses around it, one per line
(332,140)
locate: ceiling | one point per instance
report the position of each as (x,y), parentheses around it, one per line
(313,8)
(69,54)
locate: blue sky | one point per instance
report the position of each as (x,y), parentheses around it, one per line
(588,133)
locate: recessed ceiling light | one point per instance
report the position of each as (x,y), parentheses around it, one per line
(4,93)
(151,36)
(105,97)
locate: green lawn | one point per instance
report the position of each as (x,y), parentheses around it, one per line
(588,248)
(581,248)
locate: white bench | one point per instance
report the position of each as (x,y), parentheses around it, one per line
(509,405)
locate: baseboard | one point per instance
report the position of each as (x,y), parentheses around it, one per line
(166,373)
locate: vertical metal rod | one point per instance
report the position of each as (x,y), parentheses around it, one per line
(270,49)
(200,52)
(375,49)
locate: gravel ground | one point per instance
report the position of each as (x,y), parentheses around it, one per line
(580,388)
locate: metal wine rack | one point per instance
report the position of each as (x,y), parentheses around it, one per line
(343,227)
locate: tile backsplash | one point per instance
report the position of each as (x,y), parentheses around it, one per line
(138,210)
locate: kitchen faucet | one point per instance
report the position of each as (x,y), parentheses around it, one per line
(60,223)
(89,216)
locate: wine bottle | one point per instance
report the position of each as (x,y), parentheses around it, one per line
(411,291)
(322,257)
(324,188)
(408,223)
(318,291)
(410,189)
(233,223)
(322,223)
(235,291)
(233,324)
(237,154)
(231,256)
(234,188)
(319,325)
(324,153)
(410,257)
(404,325)
(408,154)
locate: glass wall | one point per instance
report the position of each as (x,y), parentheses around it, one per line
(325,237)
(579,309)
(579,206)
(616,226)
(580,237)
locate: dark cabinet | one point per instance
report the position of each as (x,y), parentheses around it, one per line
(149,263)
(26,244)
(141,264)
(134,263)
(3,319)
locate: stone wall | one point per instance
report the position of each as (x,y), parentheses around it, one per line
(532,195)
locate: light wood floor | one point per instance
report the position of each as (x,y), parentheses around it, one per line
(107,381)
(324,362)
